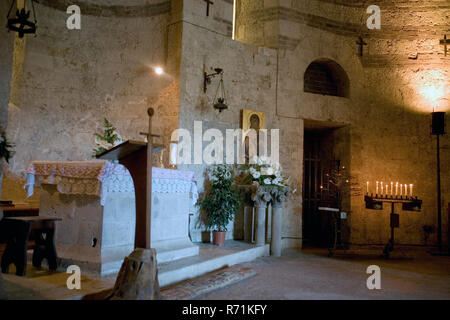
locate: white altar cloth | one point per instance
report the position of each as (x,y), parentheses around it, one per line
(96,202)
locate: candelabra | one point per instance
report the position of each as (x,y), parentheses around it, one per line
(409,203)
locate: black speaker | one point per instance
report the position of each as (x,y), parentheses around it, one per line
(438,123)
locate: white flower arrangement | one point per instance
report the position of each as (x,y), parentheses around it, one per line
(264,171)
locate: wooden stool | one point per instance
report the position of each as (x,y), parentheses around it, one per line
(23,233)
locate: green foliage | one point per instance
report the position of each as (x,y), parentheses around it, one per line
(107,140)
(222,200)
(6,147)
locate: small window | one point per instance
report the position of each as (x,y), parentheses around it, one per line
(326,77)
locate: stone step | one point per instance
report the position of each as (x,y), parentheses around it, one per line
(210,258)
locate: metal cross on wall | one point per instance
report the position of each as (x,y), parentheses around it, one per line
(445,42)
(361,44)
(208,2)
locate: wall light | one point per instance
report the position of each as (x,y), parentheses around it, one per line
(220,100)
(159,71)
(20,23)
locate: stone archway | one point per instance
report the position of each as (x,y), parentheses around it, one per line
(325,76)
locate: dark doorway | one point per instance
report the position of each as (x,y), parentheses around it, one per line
(319,159)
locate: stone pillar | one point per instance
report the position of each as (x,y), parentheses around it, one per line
(278,197)
(269,222)
(261,196)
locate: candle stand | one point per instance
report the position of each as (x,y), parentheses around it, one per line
(408,204)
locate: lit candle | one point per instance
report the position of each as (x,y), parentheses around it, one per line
(377,188)
(406,190)
(401,189)
(396,188)
(367,183)
(387,191)
(173,154)
(381,188)
(411,189)
(392,187)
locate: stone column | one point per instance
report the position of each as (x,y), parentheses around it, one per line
(278,197)
(261,196)
(269,222)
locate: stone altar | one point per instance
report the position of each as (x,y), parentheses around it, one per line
(96,202)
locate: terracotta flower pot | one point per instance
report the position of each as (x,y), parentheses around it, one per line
(219,238)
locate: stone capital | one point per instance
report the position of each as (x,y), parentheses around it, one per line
(279,195)
(261,196)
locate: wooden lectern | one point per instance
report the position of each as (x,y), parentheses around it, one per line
(138,276)
(133,155)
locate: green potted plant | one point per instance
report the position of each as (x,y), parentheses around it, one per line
(220,203)
(109,139)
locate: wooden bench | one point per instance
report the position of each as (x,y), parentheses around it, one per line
(23,233)
(18,210)
(15,210)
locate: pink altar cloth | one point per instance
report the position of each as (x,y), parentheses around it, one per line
(97,170)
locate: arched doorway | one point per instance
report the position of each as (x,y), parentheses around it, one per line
(326,146)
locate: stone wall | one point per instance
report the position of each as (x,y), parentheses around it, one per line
(250,77)
(72,79)
(6,57)
(387,111)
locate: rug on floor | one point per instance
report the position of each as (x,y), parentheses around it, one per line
(192,288)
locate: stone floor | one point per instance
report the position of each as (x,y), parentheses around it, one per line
(410,273)
(41,284)
(310,274)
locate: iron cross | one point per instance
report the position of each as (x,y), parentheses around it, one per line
(361,44)
(208,2)
(445,42)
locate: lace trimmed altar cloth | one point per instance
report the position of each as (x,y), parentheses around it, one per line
(100,178)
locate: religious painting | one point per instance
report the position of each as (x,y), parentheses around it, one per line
(251,120)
